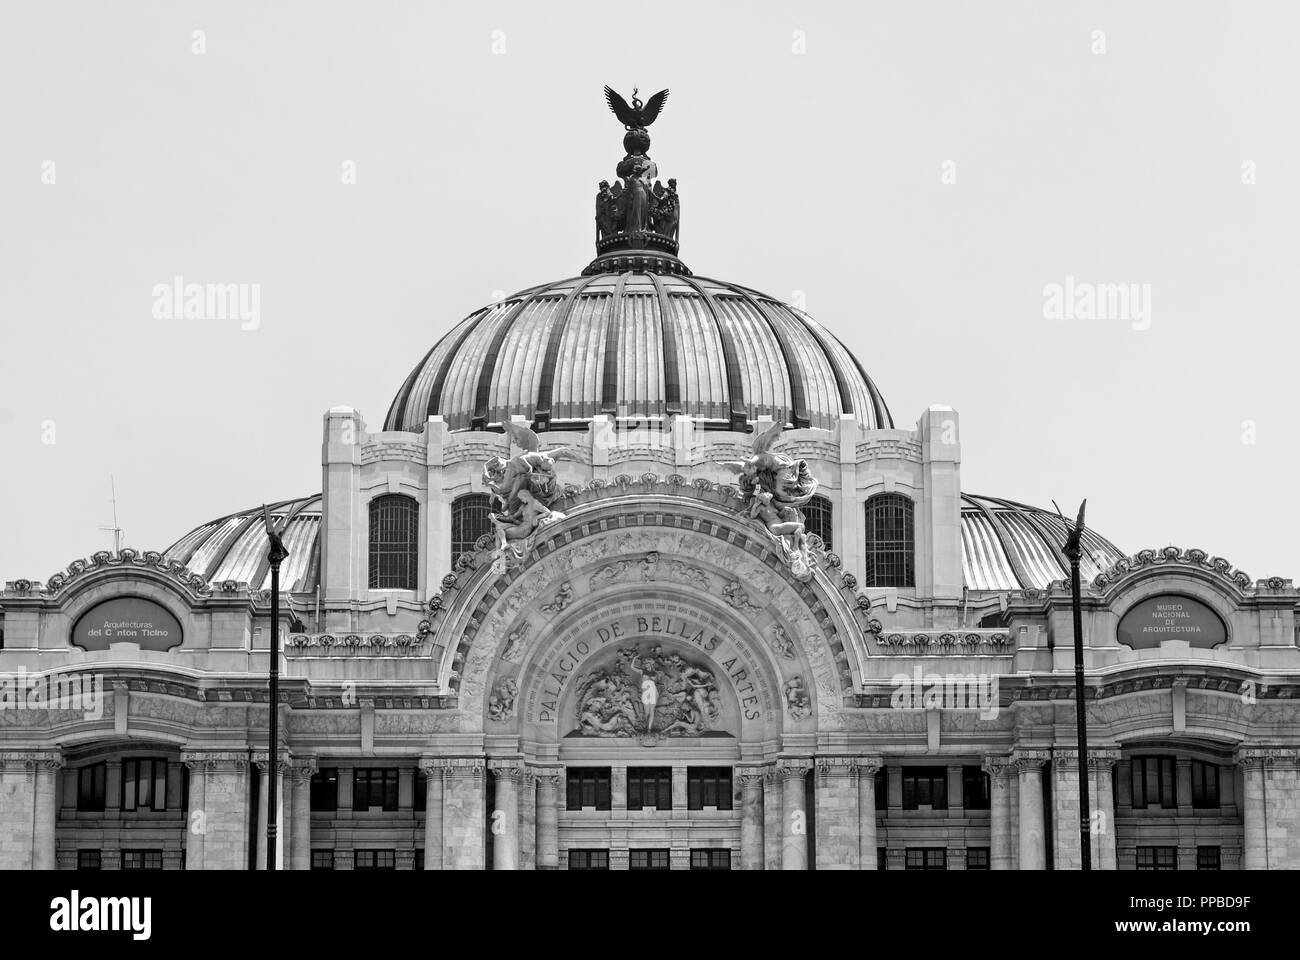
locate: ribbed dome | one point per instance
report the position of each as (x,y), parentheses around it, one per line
(234,547)
(1010,546)
(640,346)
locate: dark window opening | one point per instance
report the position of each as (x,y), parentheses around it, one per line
(708,787)
(588,787)
(394,543)
(374,787)
(891,545)
(470,519)
(648,860)
(649,788)
(818,518)
(925,787)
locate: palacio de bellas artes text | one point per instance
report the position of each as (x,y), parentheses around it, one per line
(702,437)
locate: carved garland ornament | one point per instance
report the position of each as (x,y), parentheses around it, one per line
(1172,555)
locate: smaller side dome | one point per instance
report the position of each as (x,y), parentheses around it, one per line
(234,547)
(1012,546)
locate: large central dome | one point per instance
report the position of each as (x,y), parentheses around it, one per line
(639,346)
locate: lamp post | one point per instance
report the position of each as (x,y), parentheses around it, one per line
(276,554)
(1074,550)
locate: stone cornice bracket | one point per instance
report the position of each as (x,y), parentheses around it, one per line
(1286,757)
(510,769)
(836,766)
(208,760)
(1028,759)
(792,768)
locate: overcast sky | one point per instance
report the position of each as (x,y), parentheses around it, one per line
(918,173)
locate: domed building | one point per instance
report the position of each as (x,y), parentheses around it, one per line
(639,572)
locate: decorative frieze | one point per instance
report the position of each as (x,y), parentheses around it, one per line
(963,642)
(1172,556)
(356,645)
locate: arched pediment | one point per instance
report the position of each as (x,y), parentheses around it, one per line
(658,550)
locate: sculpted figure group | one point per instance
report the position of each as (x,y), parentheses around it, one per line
(647,693)
(522,489)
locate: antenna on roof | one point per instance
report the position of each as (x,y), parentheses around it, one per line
(114,529)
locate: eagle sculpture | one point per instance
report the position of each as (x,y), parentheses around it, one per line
(638,116)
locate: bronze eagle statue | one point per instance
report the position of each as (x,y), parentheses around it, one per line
(638,116)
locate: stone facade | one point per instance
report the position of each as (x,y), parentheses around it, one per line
(821,693)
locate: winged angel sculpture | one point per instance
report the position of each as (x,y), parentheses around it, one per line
(522,490)
(775,487)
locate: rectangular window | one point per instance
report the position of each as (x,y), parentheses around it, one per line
(141,859)
(710,859)
(90,787)
(925,787)
(419,858)
(91,860)
(588,859)
(144,784)
(325,790)
(648,860)
(882,858)
(1207,858)
(374,787)
(1153,782)
(420,792)
(708,787)
(375,860)
(1157,858)
(890,544)
(926,858)
(1205,785)
(882,789)
(649,788)
(974,788)
(322,859)
(587,787)
(977,858)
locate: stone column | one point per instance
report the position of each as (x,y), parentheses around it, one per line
(868,767)
(999,770)
(1270,807)
(432,768)
(301,770)
(548,812)
(463,814)
(195,816)
(751,817)
(1065,809)
(505,818)
(1103,763)
(836,799)
(1033,850)
(45,767)
(222,827)
(268,770)
(773,822)
(794,814)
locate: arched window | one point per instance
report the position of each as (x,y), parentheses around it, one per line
(891,544)
(818,515)
(469,521)
(394,542)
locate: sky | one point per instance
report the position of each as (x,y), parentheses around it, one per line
(931,180)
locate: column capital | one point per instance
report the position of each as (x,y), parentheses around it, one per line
(302,768)
(836,766)
(1106,757)
(32,761)
(751,776)
(1268,756)
(1030,759)
(204,760)
(546,776)
(996,765)
(463,768)
(262,760)
(792,768)
(507,768)
(869,766)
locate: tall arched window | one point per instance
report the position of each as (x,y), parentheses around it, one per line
(394,542)
(891,544)
(818,517)
(469,521)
